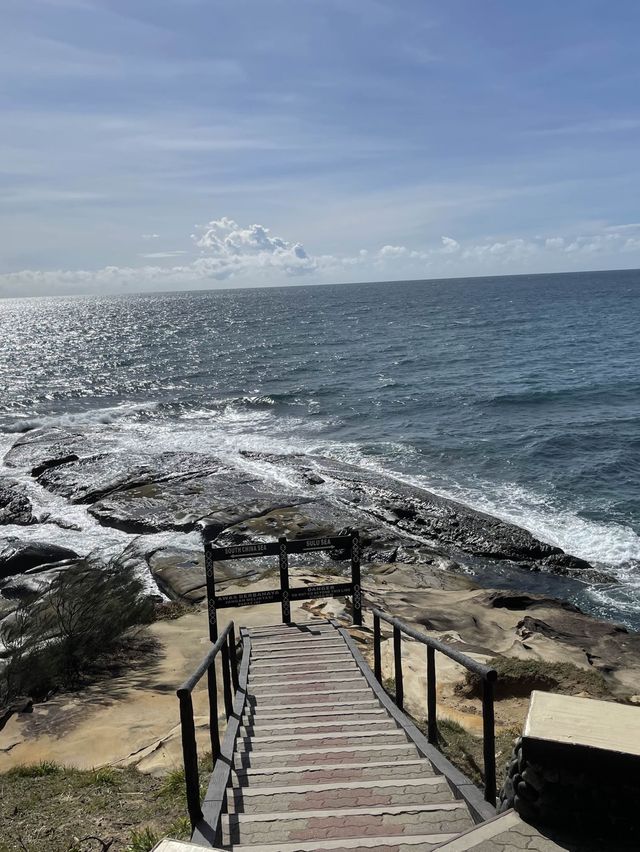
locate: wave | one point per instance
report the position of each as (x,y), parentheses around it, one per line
(90,417)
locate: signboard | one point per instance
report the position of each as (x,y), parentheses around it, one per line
(243,551)
(249,598)
(312,545)
(331,590)
(350,544)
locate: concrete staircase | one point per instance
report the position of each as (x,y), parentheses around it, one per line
(324,762)
(321,765)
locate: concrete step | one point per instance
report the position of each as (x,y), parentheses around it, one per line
(288,709)
(335,795)
(335,726)
(323,680)
(335,694)
(288,643)
(339,669)
(377,770)
(320,825)
(397,843)
(331,654)
(501,834)
(301,627)
(321,740)
(267,663)
(365,752)
(268,718)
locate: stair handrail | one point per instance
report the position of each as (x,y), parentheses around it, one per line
(225,645)
(487,675)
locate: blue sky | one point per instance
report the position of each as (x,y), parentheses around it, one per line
(142,140)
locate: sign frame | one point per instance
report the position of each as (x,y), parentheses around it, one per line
(349,543)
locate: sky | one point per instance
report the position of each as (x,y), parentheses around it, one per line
(183,144)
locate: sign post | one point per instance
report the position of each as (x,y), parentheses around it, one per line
(349,544)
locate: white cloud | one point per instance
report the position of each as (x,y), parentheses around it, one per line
(157,255)
(449,245)
(228,245)
(253,256)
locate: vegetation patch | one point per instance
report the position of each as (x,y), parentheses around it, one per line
(465,750)
(50,808)
(518,678)
(81,628)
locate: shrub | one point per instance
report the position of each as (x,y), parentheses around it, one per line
(51,641)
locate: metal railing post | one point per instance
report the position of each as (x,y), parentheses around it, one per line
(285,603)
(190,757)
(432,722)
(377,664)
(233,658)
(356,582)
(489,745)
(214,733)
(397,657)
(226,679)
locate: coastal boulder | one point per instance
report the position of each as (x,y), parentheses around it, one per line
(18,556)
(15,506)
(179,572)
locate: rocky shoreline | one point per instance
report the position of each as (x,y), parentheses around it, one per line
(426,559)
(261,496)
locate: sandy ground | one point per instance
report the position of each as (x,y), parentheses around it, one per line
(133,718)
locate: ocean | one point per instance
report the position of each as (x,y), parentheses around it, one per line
(519,395)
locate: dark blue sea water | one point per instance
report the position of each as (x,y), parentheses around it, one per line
(518,395)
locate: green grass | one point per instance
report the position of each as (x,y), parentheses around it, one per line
(173,784)
(143,841)
(36,770)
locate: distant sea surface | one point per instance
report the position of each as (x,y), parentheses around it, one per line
(516,395)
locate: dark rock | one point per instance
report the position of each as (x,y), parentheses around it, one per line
(17,557)
(213,502)
(427,517)
(513,601)
(572,566)
(532,778)
(314,479)
(21,704)
(15,506)
(50,446)
(89,479)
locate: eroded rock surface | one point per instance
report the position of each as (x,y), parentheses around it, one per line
(89,479)
(215,502)
(15,506)
(420,513)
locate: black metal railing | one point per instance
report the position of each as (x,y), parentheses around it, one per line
(225,645)
(487,675)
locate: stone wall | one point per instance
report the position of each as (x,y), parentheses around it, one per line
(565,795)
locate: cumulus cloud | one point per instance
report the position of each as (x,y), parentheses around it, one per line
(230,247)
(224,251)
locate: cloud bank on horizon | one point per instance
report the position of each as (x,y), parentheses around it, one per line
(376,140)
(251,256)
